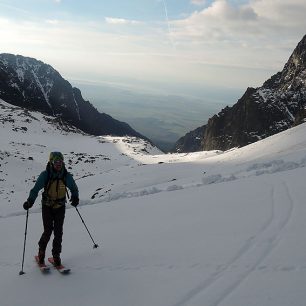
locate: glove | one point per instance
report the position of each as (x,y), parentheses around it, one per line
(74,201)
(27,205)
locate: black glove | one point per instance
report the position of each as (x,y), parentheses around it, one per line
(27,205)
(74,201)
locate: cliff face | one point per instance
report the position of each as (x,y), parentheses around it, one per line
(275,106)
(31,84)
(191,142)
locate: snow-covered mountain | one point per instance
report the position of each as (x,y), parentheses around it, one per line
(31,84)
(28,136)
(276,106)
(207,228)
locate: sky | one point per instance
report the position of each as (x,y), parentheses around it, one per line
(152,43)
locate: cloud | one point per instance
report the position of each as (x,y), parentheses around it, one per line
(121,21)
(257,18)
(290,13)
(14,8)
(53,21)
(244,30)
(198,2)
(81,49)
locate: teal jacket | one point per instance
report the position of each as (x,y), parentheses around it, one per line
(44,178)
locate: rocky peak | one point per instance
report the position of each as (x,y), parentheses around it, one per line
(34,85)
(261,112)
(293,76)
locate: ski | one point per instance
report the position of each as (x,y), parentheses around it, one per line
(42,267)
(61,268)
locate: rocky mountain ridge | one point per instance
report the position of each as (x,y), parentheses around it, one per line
(34,85)
(261,112)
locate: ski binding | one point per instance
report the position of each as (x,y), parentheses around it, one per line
(61,268)
(42,267)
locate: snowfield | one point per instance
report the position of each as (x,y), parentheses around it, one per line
(199,229)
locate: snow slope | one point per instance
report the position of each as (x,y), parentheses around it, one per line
(205,228)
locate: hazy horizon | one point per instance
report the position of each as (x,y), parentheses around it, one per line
(163,118)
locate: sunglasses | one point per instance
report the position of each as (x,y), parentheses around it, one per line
(57,162)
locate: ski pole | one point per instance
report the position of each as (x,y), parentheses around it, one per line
(95,245)
(24,243)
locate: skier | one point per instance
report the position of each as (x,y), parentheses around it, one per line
(54,181)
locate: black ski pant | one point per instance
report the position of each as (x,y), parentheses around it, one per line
(53,221)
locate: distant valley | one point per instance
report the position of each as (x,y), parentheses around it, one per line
(162,118)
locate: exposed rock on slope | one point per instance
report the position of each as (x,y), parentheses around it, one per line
(30,83)
(274,107)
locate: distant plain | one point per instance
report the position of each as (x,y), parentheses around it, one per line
(161,117)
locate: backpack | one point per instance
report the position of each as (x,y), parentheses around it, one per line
(55,190)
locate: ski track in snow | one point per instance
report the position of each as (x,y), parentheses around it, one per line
(214,290)
(221,284)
